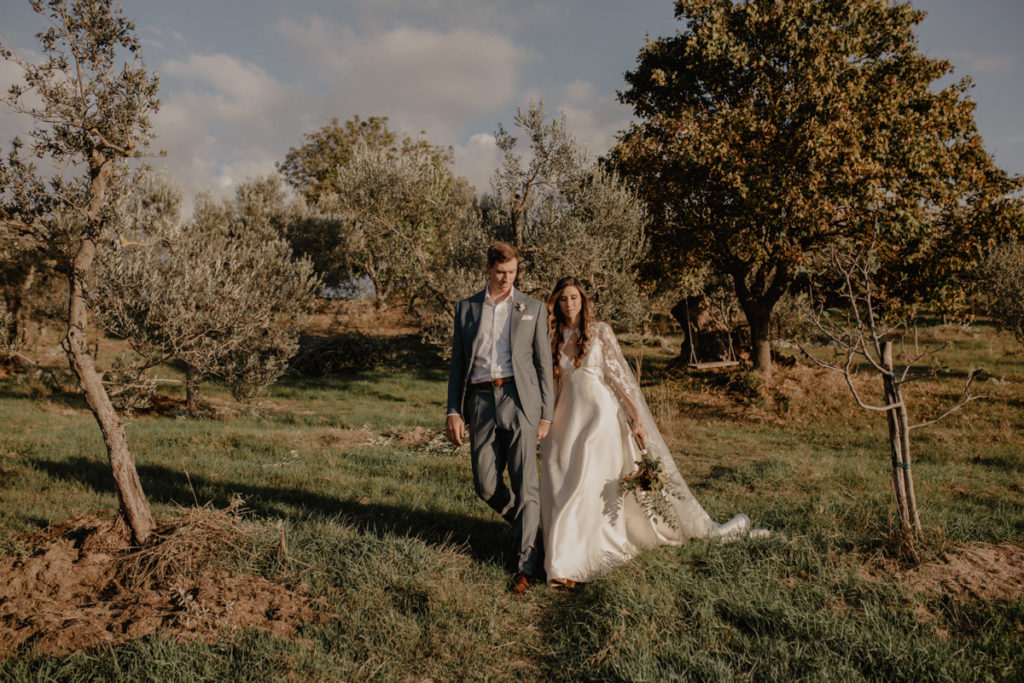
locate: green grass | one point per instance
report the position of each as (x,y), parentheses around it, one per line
(412,565)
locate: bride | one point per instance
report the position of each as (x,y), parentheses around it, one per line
(600,415)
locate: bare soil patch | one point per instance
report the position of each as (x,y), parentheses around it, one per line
(987,572)
(85,587)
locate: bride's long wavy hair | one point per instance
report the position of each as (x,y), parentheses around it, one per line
(557,322)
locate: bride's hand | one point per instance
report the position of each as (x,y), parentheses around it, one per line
(639,433)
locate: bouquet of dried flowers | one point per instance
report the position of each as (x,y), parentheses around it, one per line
(651,485)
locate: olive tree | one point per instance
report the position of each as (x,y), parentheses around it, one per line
(569,217)
(413,215)
(91,99)
(29,284)
(318,171)
(221,293)
(1000,282)
(862,333)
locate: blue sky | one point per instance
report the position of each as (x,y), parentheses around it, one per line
(242,80)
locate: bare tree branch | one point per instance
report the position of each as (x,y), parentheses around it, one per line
(967,398)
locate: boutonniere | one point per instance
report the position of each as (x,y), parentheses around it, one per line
(520,306)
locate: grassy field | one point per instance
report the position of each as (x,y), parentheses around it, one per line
(384,526)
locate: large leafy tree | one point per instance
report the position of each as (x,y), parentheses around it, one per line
(91,99)
(768,129)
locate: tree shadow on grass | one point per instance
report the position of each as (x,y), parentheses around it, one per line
(365,383)
(353,351)
(1006,463)
(486,541)
(66,399)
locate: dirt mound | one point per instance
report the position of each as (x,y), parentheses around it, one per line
(988,572)
(417,436)
(83,588)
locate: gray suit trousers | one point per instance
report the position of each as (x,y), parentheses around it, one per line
(501,438)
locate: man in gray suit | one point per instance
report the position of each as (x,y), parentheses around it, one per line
(500,383)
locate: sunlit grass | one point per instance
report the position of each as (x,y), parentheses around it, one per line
(413,566)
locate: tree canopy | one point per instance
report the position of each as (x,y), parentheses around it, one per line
(333,171)
(391,217)
(768,129)
(221,293)
(312,168)
(568,216)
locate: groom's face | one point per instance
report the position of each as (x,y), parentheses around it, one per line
(501,276)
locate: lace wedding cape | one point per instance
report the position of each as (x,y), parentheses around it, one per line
(692,520)
(589,524)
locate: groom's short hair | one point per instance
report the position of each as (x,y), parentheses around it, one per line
(501,252)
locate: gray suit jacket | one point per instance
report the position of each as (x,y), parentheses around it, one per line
(531,355)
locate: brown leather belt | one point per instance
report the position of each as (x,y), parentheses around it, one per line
(501,381)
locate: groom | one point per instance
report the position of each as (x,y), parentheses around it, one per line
(500,383)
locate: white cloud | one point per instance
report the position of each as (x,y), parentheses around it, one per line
(233,89)
(226,120)
(579,92)
(421,79)
(477,160)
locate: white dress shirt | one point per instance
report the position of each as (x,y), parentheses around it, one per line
(492,348)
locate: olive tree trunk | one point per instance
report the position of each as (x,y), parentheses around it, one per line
(134,507)
(191,388)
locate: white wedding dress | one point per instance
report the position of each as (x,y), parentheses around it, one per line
(589,527)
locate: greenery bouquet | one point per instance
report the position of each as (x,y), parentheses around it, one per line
(652,487)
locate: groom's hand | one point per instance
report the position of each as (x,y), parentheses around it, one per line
(455,429)
(543,429)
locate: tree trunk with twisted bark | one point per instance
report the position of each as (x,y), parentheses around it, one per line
(134,507)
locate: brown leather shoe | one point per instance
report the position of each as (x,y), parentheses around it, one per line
(520,584)
(563,584)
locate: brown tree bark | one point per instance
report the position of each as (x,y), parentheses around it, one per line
(134,507)
(760,340)
(191,388)
(757,298)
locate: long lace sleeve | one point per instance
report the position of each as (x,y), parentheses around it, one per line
(693,520)
(617,372)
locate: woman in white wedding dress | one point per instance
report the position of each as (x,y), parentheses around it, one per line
(600,415)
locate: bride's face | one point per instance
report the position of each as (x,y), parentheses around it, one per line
(570,302)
